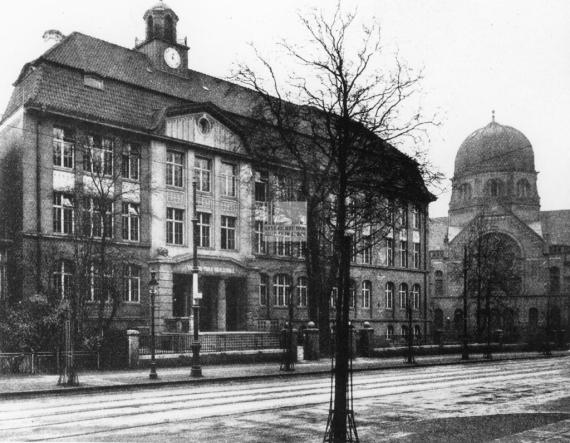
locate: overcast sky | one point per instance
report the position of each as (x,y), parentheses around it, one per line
(511,56)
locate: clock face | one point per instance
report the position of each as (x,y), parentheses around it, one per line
(172,57)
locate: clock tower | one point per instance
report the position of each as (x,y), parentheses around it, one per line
(160,44)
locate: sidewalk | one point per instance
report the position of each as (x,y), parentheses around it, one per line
(13,386)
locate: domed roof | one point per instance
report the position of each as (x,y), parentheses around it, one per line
(494,147)
(159,6)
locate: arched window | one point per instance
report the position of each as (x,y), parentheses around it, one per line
(438,283)
(389,292)
(263,284)
(352,293)
(366,293)
(390,332)
(149,27)
(281,289)
(438,319)
(465,191)
(416,296)
(458,320)
(169,33)
(554,280)
(302,297)
(417,331)
(403,293)
(523,188)
(404,331)
(533,318)
(495,187)
(62,279)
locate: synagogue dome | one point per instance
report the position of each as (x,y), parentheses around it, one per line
(494,148)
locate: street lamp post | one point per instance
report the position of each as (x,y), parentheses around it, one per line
(196,370)
(465,348)
(152,285)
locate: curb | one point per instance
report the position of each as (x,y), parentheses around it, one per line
(206,380)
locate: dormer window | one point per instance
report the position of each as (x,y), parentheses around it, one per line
(93,81)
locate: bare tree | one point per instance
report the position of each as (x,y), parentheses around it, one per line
(334,121)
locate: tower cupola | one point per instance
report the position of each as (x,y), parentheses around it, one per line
(161,23)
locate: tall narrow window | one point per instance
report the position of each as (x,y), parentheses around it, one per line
(416,296)
(174,169)
(554,280)
(281,289)
(175,226)
(228,179)
(352,293)
(228,226)
(403,253)
(258,239)
(366,293)
(132,281)
(389,293)
(333,297)
(63,148)
(62,213)
(131,161)
(389,332)
(404,217)
(261,180)
(416,218)
(203,173)
(302,298)
(283,245)
(97,218)
(438,277)
(417,255)
(62,279)
(366,253)
(203,229)
(131,221)
(390,252)
(263,283)
(403,292)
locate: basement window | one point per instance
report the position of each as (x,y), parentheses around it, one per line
(93,81)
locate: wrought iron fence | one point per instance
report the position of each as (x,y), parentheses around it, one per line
(178,343)
(45,362)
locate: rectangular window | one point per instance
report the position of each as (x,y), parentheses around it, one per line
(62,213)
(258,239)
(281,289)
(228,232)
(366,254)
(299,249)
(202,174)
(132,281)
(174,169)
(263,290)
(131,221)
(93,81)
(417,255)
(131,162)
(174,226)
(98,155)
(333,297)
(283,246)
(404,218)
(97,218)
(302,298)
(203,229)
(261,180)
(63,148)
(404,254)
(366,290)
(390,252)
(228,178)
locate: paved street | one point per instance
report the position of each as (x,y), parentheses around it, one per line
(441,403)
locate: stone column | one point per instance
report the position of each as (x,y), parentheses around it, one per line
(221,305)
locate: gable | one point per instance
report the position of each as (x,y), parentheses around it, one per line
(203,128)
